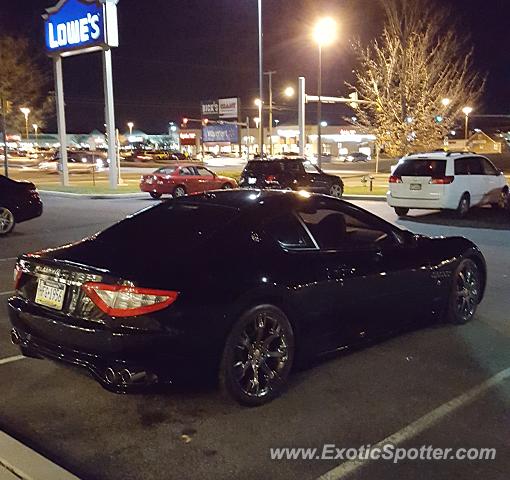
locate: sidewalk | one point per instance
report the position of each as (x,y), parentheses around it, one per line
(20,462)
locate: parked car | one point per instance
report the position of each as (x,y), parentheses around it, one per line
(241,284)
(19,202)
(449,181)
(355,157)
(224,160)
(183,179)
(78,161)
(154,156)
(290,173)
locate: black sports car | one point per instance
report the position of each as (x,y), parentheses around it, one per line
(290,174)
(242,283)
(19,202)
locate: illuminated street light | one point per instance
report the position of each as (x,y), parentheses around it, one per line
(324,34)
(289,92)
(467,111)
(130,126)
(25,111)
(445,102)
(324,124)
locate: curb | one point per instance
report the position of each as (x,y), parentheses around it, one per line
(20,462)
(374,198)
(93,196)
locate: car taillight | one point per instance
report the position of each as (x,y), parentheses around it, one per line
(270,178)
(126,301)
(17,276)
(442,180)
(395,179)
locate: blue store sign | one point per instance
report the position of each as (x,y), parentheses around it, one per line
(75,26)
(226,133)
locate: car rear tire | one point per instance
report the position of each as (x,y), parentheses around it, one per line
(401,211)
(464,205)
(155,195)
(179,191)
(227,186)
(465,292)
(258,356)
(7,221)
(336,190)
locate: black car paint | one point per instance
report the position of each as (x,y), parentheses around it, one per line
(288,173)
(333,299)
(21,198)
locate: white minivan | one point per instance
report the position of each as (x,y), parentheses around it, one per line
(446,181)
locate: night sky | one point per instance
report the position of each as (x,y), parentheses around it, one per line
(172,54)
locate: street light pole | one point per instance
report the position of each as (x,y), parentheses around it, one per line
(319,110)
(25,111)
(270,75)
(261,78)
(466,111)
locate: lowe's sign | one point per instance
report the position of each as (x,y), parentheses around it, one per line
(78,26)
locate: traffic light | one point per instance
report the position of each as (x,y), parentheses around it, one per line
(205,121)
(354,97)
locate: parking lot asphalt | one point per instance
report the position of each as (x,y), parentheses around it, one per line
(355,399)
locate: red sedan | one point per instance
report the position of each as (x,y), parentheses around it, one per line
(179,180)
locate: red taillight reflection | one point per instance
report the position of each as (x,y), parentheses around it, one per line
(442,180)
(126,301)
(270,178)
(395,179)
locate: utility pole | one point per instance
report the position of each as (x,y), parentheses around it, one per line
(270,75)
(302,116)
(261,80)
(319,111)
(4,131)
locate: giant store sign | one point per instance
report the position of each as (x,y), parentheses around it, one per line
(222,109)
(75,26)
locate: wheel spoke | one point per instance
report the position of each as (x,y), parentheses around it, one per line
(243,368)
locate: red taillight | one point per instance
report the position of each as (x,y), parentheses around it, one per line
(126,301)
(270,178)
(17,276)
(442,180)
(395,179)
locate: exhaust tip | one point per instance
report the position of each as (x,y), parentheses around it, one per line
(111,376)
(15,338)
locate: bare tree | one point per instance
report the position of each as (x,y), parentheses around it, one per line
(405,75)
(22,84)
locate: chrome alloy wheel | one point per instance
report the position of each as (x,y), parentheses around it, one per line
(468,292)
(260,356)
(336,190)
(6,221)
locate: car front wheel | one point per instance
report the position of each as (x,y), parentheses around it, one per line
(401,211)
(336,190)
(155,195)
(465,292)
(179,191)
(7,221)
(258,356)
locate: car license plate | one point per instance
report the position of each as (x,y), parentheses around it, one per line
(252,181)
(415,186)
(50,294)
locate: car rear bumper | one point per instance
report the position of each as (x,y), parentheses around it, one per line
(162,357)
(418,203)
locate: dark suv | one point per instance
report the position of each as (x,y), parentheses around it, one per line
(290,174)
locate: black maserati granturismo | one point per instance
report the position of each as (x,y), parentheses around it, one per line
(239,284)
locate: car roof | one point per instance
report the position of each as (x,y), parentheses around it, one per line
(439,155)
(278,159)
(180,165)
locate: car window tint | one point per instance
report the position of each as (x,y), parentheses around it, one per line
(293,168)
(462,166)
(335,230)
(310,167)
(489,168)
(264,168)
(187,171)
(203,172)
(288,231)
(475,166)
(421,167)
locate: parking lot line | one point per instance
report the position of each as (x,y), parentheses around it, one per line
(4,361)
(424,423)
(26,464)
(8,259)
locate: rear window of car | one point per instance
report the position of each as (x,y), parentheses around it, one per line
(422,167)
(171,225)
(266,168)
(165,170)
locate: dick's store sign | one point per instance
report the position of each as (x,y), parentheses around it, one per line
(75,26)
(222,109)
